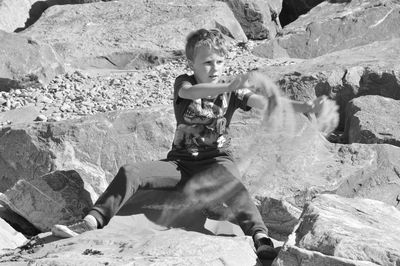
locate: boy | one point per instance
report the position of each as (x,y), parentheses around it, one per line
(200,150)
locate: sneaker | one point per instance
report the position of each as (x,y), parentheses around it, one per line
(265,249)
(75,229)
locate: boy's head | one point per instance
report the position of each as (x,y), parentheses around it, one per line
(206,51)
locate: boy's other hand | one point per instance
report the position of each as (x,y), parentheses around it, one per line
(326,112)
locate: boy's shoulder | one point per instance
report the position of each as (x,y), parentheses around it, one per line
(186,77)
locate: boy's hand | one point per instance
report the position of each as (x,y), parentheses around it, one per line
(326,112)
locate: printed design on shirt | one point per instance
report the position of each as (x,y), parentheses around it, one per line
(205,126)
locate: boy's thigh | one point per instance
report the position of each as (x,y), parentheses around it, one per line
(154,174)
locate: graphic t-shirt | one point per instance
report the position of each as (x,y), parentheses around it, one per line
(202,123)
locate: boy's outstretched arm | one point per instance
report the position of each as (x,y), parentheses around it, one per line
(204,90)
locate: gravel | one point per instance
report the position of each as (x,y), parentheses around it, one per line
(80,93)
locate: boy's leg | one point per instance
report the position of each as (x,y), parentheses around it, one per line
(130,178)
(220,183)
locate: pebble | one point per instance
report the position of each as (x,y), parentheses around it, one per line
(41,118)
(76,94)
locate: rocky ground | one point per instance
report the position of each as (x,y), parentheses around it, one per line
(86,92)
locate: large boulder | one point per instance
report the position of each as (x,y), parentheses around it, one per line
(284,171)
(129,34)
(333,26)
(366,70)
(373,119)
(26,62)
(259,19)
(19,14)
(342,231)
(94,146)
(128,240)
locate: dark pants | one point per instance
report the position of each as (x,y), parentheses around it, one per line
(207,181)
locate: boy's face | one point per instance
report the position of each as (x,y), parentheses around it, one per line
(207,65)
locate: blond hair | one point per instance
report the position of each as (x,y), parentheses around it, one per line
(212,39)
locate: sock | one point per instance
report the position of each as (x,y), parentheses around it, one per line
(92,222)
(260,235)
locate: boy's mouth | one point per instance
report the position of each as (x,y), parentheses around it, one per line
(213,77)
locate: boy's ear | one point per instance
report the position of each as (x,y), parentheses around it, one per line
(190,64)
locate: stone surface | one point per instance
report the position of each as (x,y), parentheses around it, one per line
(373,119)
(341,231)
(292,9)
(271,163)
(20,115)
(284,171)
(26,62)
(19,14)
(95,147)
(333,26)
(61,195)
(142,33)
(366,70)
(133,239)
(259,19)
(9,238)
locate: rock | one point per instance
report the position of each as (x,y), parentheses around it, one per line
(145,244)
(26,62)
(94,146)
(16,15)
(373,119)
(41,118)
(366,70)
(341,231)
(19,223)
(333,26)
(292,9)
(9,238)
(259,19)
(283,172)
(62,196)
(20,115)
(142,33)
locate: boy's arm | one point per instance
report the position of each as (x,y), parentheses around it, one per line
(203,90)
(260,102)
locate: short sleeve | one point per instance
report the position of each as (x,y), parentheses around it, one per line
(181,82)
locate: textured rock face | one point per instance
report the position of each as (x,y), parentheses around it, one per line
(259,19)
(61,194)
(19,14)
(26,62)
(128,240)
(373,119)
(9,238)
(129,34)
(282,172)
(285,171)
(366,70)
(335,26)
(341,231)
(95,147)
(292,9)
(14,13)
